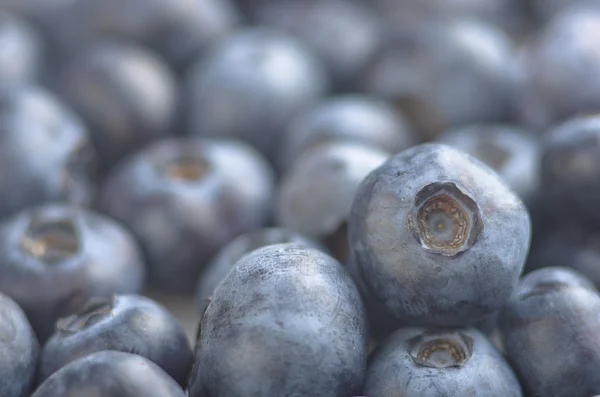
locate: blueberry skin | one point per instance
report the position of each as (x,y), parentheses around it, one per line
(513,152)
(570,172)
(444,73)
(251,86)
(439,238)
(110,374)
(552,308)
(574,249)
(315,196)
(289,321)
(184,199)
(126,95)
(179,30)
(563,49)
(346,35)
(230,254)
(21,51)
(364,119)
(20,350)
(55,257)
(474,369)
(45,152)
(127,323)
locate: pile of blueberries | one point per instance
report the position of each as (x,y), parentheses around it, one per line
(381,198)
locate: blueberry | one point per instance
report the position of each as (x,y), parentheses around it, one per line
(570,171)
(508,14)
(45,151)
(439,238)
(21,51)
(110,374)
(544,10)
(126,95)
(511,151)
(315,196)
(53,258)
(251,86)
(127,323)
(444,73)
(357,118)
(177,29)
(561,68)
(550,330)
(287,322)
(568,247)
(345,34)
(184,199)
(434,363)
(231,253)
(20,350)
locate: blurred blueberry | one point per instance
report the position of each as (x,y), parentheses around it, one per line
(127,323)
(550,329)
(435,363)
(511,151)
(346,34)
(443,73)
(21,51)
(179,30)
(510,15)
(289,321)
(561,69)
(20,350)
(252,86)
(231,253)
(45,151)
(570,171)
(110,374)
(127,96)
(439,238)
(356,118)
(54,258)
(570,248)
(315,196)
(184,199)
(544,10)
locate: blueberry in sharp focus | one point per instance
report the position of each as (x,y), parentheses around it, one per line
(443,73)
(345,34)
(287,322)
(20,350)
(550,330)
(55,257)
(110,374)
(364,119)
(561,69)
(439,238)
(437,363)
(21,51)
(127,323)
(230,254)
(45,151)
(179,30)
(315,196)
(184,199)
(511,151)
(251,86)
(125,93)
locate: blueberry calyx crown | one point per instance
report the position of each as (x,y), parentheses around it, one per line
(444,219)
(93,310)
(441,349)
(51,239)
(186,168)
